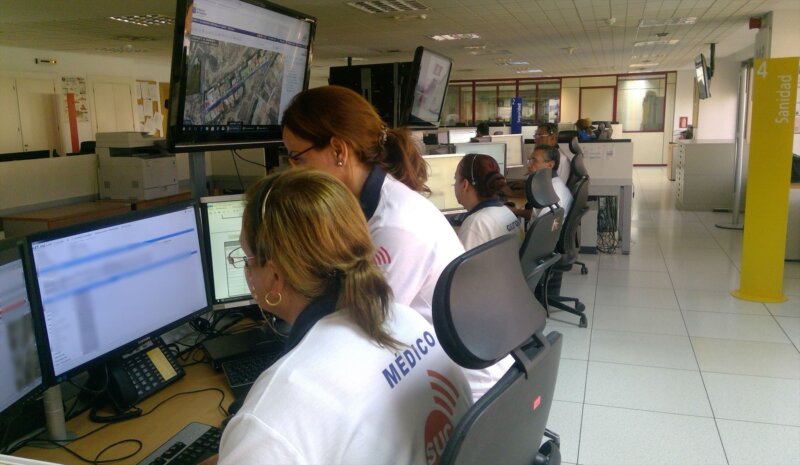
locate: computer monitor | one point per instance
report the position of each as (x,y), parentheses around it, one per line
(103,286)
(456,135)
(441,179)
(514,145)
(222,223)
(236,64)
(496,150)
(702,77)
(426,89)
(19,353)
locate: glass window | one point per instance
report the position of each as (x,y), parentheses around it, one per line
(457,105)
(548,102)
(640,103)
(528,94)
(485,102)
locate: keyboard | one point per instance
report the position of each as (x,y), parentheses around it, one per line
(243,371)
(189,446)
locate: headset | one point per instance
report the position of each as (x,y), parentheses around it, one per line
(472,170)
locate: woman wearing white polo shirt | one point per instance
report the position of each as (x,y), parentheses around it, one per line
(478,186)
(362,380)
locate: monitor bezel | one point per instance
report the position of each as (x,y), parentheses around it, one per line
(177,139)
(52,234)
(230,302)
(701,66)
(478,145)
(38,390)
(407,118)
(503,138)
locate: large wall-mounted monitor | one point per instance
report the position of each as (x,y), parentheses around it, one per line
(496,150)
(105,285)
(19,355)
(514,146)
(701,75)
(222,224)
(430,74)
(236,64)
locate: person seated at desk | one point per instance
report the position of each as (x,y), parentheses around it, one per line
(585,129)
(363,379)
(547,134)
(385,170)
(481,133)
(478,186)
(547,156)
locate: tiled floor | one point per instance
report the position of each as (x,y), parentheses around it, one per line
(672,369)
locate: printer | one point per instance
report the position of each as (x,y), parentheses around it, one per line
(134,166)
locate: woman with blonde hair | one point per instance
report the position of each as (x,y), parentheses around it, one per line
(355,383)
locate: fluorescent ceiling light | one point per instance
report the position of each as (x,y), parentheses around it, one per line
(388,6)
(656,42)
(685,21)
(512,62)
(468,35)
(642,65)
(528,71)
(145,20)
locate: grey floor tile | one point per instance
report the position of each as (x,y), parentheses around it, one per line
(656,350)
(753,398)
(565,419)
(789,308)
(635,297)
(640,320)
(635,278)
(791,326)
(717,301)
(738,327)
(571,382)
(576,342)
(748,443)
(747,357)
(647,388)
(638,437)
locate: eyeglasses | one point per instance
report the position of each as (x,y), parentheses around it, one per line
(238,259)
(295,157)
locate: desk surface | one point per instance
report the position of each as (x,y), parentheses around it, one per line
(152,430)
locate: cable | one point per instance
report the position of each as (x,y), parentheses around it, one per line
(607,241)
(236,152)
(235,165)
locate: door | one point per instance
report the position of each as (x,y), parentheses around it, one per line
(10,135)
(38,114)
(113,107)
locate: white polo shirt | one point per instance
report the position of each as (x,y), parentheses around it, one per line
(487,221)
(413,240)
(564,167)
(337,397)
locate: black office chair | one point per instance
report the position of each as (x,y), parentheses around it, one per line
(577,174)
(564,137)
(88,146)
(537,253)
(483,311)
(569,244)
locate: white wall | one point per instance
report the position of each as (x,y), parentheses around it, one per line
(717,115)
(684,96)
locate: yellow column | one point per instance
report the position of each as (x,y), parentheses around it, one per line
(764,245)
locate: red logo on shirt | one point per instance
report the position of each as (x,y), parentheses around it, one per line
(439,425)
(382,257)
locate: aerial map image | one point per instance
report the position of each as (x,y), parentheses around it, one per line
(232,83)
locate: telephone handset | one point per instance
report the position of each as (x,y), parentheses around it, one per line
(141,373)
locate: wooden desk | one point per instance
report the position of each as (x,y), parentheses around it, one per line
(39,220)
(157,202)
(154,429)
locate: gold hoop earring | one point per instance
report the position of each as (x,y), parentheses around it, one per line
(273,304)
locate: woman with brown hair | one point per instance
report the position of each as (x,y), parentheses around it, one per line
(478,186)
(358,379)
(335,130)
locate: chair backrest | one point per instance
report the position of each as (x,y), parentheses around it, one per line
(569,240)
(577,171)
(537,252)
(565,136)
(575,146)
(482,311)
